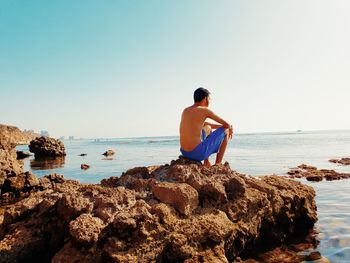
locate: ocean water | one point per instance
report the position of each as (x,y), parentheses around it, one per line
(254,154)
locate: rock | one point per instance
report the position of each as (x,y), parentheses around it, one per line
(10,136)
(108,153)
(311,173)
(47,147)
(82,154)
(315,178)
(84,166)
(182,196)
(70,207)
(9,165)
(22,155)
(182,212)
(314,256)
(86,229)
(343,161)
(24,182)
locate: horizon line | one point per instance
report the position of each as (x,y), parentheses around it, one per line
(243,133)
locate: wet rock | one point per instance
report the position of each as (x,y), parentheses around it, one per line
(108,153)
(342,161)
(311,173)
(84,166)
(47,147)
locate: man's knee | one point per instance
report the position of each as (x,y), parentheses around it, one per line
(227,134)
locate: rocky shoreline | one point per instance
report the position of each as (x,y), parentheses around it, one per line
(177,212)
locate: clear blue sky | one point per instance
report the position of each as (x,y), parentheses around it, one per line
(128,68)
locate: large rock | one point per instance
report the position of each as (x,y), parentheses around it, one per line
(47,147)
(182,212)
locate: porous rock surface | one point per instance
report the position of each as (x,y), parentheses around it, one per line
(47,147)
(208,215)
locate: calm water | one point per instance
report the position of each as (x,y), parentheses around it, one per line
(255,154)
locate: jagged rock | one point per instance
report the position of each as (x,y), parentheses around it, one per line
(86,229)
(311,173)
(70,207)
(108,153)
(182,212)
(47,147)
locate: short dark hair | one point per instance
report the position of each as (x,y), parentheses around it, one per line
(200,93)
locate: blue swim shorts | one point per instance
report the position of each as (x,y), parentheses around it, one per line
(208,146)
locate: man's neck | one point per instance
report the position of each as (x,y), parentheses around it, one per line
(199,104)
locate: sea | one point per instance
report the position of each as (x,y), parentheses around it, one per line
(254,154)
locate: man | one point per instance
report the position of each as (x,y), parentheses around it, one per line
(197,140)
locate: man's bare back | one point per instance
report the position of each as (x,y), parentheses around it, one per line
(192,122)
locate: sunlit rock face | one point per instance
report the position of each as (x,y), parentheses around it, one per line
(178,212)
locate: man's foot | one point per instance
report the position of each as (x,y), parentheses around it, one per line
(207,163)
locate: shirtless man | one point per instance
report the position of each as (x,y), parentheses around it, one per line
(197,140)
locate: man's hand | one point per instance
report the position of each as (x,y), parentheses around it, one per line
(230,132)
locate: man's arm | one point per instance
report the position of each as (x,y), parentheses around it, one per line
(225,124)
(214,117)
(212,125)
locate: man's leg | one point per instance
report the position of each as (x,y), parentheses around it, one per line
(208,130)
(222,149)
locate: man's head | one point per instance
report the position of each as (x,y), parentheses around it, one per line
(201,95)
